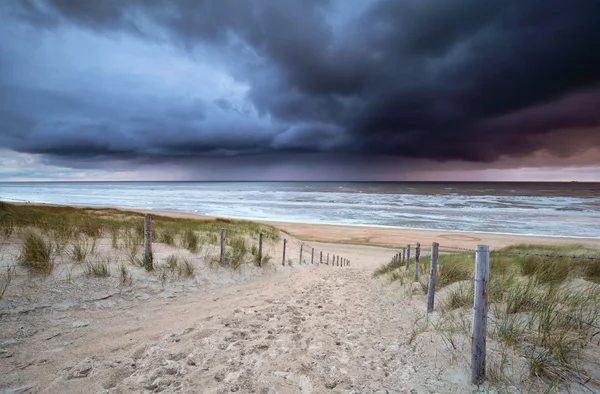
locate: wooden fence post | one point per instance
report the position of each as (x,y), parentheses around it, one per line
(338,261)
(301,246)
(417,255)
(321,257)
(148,242)
(407,256)
(284,244)
(327,258)
(312,256)
(432,276)
(260,236)
(223,232)
(482,277)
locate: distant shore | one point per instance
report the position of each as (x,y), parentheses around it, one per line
(383,235)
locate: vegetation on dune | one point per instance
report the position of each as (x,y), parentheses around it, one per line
(37,253)
(45,234)
(544,305)
(96,222)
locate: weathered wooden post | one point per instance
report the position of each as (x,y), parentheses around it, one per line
(321,257)
(223,231)
(432,276)
(482,277)
(417,255)
(327,258)
(301,246)
(403,255)
(148,242)
(407,256)
(284,244)
(312,256)
(260,237)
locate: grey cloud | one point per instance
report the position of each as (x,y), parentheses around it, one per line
(436,80)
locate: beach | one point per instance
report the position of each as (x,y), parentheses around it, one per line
(293,328)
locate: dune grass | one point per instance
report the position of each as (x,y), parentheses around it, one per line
(544,304)
(99,268)
(37,253)
(49,231)
(97,222)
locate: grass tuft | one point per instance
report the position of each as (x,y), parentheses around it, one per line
(37,253)
(191,240)
(99,268)
(186,268)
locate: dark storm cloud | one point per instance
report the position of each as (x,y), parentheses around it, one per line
(439,79)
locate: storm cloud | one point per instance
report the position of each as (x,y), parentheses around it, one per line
(167,81)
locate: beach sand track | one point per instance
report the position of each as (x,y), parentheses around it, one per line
(310,330)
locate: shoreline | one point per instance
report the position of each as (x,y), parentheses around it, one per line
(375,235)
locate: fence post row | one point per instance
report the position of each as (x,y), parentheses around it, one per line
(148,242)
(223,231)
(482,276)
(432,276)
(417,255)
(284,244)
(407,256)
(260,239)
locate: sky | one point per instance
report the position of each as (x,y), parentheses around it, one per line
(300,90)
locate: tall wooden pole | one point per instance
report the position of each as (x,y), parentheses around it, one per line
(260,239)
(148,242)
(417,255)
(283,259)
(223,235)
(432,276)
(482,277)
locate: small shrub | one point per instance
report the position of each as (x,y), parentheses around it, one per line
(133,258)
(191,240)
(167,236)
(387,268)
(237,253)
(37,253)
(452,273)
(591,270)
(460,296)
(186,268)
(114,237)
(99,268)
(79,250)
(125,275)
(91,228)
(172,262)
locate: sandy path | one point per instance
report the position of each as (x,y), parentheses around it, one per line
(302,329)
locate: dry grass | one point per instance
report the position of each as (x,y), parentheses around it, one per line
(544,309)
(37,253)
(99,268)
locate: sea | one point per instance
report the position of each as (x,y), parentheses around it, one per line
(561,209)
